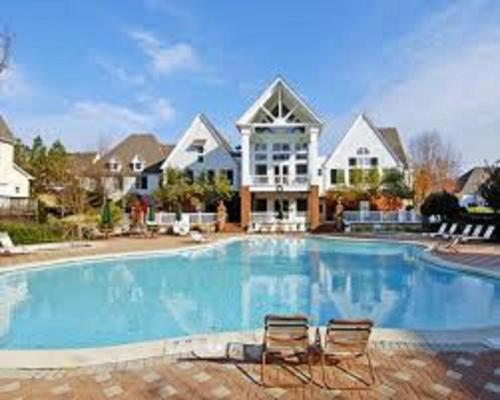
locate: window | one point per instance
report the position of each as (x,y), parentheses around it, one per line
(200,159)
(210,175)
(281,157)
(229,175)
(301,146)
(261,169)
(18,190)
(201,151)
(301,169)
(189,175)
(141,183)
(320,172)
(260,156)
(113,165)
(260,146)
(277,147)
(260,205)
(301,205)
(337,176)
(301,156)
(286,205)
(374,162)
(362,151)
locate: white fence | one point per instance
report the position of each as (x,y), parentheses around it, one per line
(382,217)
(164,218)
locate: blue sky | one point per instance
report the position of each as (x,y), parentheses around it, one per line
(90,72)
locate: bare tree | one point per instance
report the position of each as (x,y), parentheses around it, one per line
(5,48)
(436,164)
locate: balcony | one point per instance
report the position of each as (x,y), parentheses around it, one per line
(265,182)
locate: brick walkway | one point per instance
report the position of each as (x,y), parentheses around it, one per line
(402,374)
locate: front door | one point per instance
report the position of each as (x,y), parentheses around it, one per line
(281,174)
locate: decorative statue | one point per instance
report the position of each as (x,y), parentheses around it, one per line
(221,216)
(339,215)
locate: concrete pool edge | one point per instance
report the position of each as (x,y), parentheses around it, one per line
(82,357)
(216,345)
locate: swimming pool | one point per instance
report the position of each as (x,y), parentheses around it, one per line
(231,287)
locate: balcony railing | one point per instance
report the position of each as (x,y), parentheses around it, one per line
(265,180)
(272,217)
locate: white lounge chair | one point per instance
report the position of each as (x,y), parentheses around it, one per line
(197,237)
(8,248)
(466,232)
(440,231)
(451,232)
(180,228)
(488,233)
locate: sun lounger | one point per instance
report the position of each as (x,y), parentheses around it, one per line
(286,338)
(180,228)
(440,231)
(449,234)
(347,340)
(197,237)
(8,248)
(488,233)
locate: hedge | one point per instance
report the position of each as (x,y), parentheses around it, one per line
(32,233)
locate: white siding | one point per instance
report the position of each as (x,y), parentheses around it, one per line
(359,135)
(216,156)
(13,182)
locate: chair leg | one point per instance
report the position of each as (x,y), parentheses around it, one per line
(262,368)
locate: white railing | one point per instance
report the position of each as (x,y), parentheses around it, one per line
(165,218)
(381,217)
(264,180)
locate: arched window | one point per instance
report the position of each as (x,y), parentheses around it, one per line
(362,151)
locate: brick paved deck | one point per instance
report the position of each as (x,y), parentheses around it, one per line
(402,374)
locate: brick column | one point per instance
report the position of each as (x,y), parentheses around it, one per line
(246,205)
(313,204)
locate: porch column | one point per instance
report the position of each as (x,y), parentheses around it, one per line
(313,155)
(313,210)
(245,157)
(246,205)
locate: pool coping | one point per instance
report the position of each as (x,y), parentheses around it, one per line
(216,344)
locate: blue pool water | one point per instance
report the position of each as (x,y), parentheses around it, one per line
(231,287)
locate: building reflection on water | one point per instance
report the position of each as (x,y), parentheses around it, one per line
(232,288)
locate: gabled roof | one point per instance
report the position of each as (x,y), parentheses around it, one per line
(470,182)
(218,136)
(5,133)
(144,145)
(252,111)
(22,171)
(393,140)
(389,137)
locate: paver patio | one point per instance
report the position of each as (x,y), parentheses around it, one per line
(402,374)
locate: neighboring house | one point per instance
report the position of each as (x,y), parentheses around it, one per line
(279,156)
(467,187)
(203,149)
(365,149)
(14,181)
(133,166)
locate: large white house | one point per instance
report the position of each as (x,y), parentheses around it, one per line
(278,166)
(14,181)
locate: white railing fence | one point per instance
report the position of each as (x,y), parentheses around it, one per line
(266,180)
(382,217)
(168,219)
(272,217)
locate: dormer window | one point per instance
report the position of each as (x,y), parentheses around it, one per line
(113,165)
(137,164)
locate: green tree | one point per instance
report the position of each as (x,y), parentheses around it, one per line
(490,189)
(58,166)
(175,191)
(38,165)
(441,203)
(393,183)
(22,155)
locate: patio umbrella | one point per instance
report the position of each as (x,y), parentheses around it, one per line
(106,214)
(151,213)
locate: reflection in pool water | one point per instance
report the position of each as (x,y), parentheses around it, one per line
(231,287)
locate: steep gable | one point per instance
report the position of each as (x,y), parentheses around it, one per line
(362,133)
(279,104)
(5,133)
(392,139)
(217,152)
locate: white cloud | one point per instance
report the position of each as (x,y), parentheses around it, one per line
(165,59)
(14,84)
(446,76)
(120,73)
(84,123)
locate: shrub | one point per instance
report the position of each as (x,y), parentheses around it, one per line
(442,203)
(31,233)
